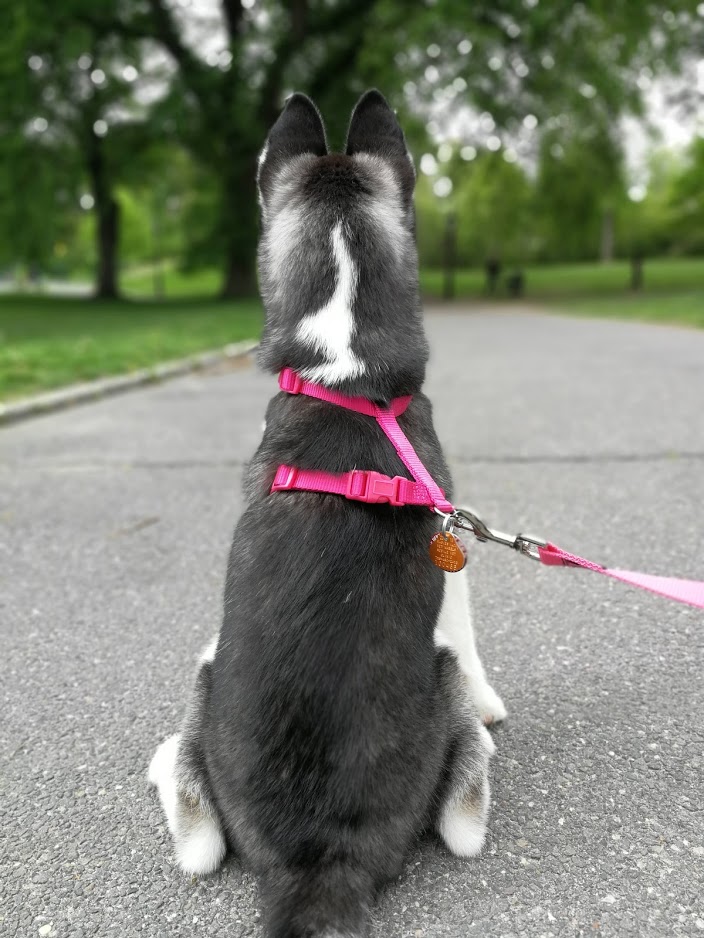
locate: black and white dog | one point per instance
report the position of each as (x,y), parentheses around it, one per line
(340,709)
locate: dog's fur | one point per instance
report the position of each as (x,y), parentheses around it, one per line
(338,712)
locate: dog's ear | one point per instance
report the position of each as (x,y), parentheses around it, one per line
(298,130)
(374,129)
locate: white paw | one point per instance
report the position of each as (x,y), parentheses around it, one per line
(202,849)
(463,833)
(162,774)
(198,838)
(163,764)
(490,705)
(488,740)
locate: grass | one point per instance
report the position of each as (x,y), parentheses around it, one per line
(542,281)
(682,308)
(140,283)
(673,290)
(584,279)
(46,342)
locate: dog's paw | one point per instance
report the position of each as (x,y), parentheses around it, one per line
(463,833)
(163,764)
(490,705)
(200,846)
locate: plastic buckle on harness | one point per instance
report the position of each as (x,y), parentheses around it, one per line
(290,382)
(285,479)
(374,487)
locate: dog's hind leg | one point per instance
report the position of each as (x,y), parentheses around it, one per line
(178,771)
(454,628)
(464,792)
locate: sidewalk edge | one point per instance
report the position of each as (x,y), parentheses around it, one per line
(87,391)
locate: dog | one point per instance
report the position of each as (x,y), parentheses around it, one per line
(341,709)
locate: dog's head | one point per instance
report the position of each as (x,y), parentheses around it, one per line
(337,256)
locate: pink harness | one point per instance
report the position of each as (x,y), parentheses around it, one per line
(374,488)
(361,485)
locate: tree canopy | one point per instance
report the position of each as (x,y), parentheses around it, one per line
(155,95)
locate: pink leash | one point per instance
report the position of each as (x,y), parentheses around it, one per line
(375,487)
(683,591)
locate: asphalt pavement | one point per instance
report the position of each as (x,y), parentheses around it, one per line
(115,520)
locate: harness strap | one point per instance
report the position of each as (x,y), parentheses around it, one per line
(292,383)
(366,486)
(358,485)
(388,423)
(374,488)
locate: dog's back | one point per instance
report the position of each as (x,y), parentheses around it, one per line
(329,728)
(326,684)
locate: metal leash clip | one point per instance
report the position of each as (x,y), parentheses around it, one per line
(469,520)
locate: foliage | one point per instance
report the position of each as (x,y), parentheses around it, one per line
(511,57)
(67,89)
(492,200)
(182,97)
(494,203)
(579,187)
(35,217)
(687,200)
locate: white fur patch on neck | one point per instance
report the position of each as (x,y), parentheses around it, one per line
(385,208)
(282,240)
(330,330)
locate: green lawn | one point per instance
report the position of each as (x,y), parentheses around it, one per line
(557,280)
(681,308)
(542,281)
(138,284)
(49,342)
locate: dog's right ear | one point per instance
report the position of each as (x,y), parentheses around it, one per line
(374,130)
(298,130)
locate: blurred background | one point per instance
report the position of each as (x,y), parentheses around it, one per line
(559,147)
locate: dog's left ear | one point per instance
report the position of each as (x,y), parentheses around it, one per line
(298,130)
(374,129)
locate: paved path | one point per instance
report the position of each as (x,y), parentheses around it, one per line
(115,522)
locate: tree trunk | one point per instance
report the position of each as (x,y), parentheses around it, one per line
(636,272)
(240,229)
(108,229)
(239,279)
(107,221)
(607,236)
(450,257)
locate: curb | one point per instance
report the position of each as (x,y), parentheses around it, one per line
(87,391)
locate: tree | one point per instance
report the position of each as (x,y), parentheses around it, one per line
(330,48)
(571,70)
(34,215)
(687,201)
(67,95)
(579,188)
(229,71)
(494,201)
(510,58)
(35,170)
(223,103)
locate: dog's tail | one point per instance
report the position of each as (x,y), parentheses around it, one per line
(329,900)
